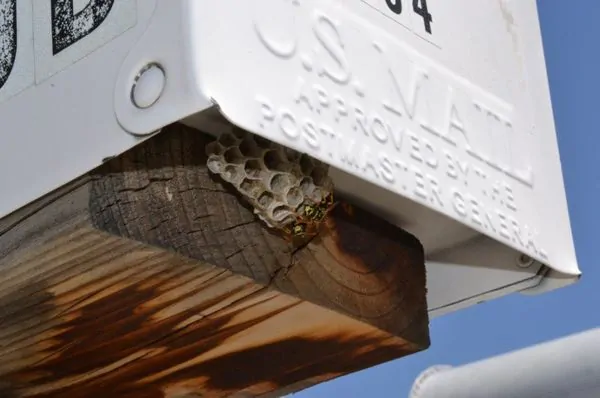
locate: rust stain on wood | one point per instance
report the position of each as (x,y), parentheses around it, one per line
(364,266)
(112,287)
(349,264)
(136,342)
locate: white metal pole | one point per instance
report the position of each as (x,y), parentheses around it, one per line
(564,368)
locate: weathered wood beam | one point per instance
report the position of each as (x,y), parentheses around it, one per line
(149,277)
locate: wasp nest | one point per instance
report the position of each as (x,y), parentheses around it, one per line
(274,179)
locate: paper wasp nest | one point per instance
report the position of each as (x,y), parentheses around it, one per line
(275,179)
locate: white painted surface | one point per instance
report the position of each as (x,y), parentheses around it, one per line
(413,171)
(118,16)
(19,73)
(455,123)
(65,124)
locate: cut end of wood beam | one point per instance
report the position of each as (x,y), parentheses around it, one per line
(150,278)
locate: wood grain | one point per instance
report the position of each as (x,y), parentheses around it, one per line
(149,277)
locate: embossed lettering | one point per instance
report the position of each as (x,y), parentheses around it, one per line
(509,198)
(332,43)
(516,229)
(310,133)
(301,95)
(490,223)
(379,130)
(457,134)
(454,120)
(396,135)
(266,109)
(348,155)
(363,158)
(524,236)
(455,168)
(288,125)
(420,189)
(368,163)
(327,132)
(282,47)
(500,136)
(415,149)
(420,145)
(475,212)
(387,168)
(431,160)
(361,120)
(503,222)
(341,107)
(406,99)
(451,169)
(322,96)
(374,126)
(436,192)
(458,204)
(498,129)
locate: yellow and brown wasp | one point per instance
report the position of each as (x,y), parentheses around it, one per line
(309,219)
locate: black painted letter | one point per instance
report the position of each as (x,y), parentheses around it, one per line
(8,38)
(68,27)
(395,6)
(421,9)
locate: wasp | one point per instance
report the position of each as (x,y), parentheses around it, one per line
(307,225)
(310,219)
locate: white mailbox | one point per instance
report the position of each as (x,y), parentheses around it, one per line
(435,114)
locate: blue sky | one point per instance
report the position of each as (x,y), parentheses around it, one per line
(571,34)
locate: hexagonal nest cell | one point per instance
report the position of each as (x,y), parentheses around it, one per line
(273,178)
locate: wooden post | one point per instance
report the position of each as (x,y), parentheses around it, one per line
(149,277)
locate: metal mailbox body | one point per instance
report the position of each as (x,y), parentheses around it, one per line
(434,114)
